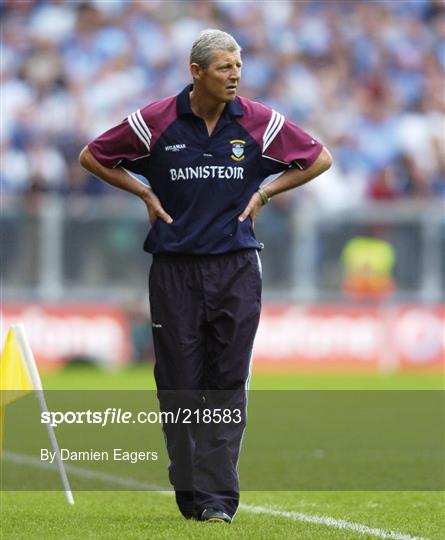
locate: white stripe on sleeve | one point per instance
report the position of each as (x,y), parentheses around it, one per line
(270,125)
(142,124)
(141,128)
(273,130)
(137,130)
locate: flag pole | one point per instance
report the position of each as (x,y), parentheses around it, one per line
(30,364)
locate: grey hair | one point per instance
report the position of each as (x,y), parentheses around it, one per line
(207,43)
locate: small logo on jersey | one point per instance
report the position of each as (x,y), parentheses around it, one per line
(237,149)
(175,147)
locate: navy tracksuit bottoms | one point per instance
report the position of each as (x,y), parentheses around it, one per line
(205,311)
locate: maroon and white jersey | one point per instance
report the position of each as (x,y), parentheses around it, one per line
(204,182)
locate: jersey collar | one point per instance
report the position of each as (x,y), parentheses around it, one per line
(233,108)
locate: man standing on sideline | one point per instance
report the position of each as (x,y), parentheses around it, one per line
(205,153)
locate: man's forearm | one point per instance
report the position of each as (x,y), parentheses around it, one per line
(295,177)
(117,177)
(121,179)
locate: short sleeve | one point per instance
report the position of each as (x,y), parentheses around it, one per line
(286,145)
(127,142)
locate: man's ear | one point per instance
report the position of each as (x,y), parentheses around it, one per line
(196,71)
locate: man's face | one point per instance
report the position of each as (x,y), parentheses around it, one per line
(220,80)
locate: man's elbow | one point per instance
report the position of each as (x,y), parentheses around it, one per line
(83,157)
(325,159)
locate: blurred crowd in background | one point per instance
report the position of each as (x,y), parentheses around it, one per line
(365,77)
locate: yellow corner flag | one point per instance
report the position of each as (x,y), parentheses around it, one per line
(14,378)
(19,375)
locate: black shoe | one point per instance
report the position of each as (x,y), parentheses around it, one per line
(212,515)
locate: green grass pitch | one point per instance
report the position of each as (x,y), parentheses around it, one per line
(262,515)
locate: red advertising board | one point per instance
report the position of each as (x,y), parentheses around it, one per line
(324,337)
(318,337)
(58,333)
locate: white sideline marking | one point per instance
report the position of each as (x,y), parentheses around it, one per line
(330,522)
(85,473)
(295,516)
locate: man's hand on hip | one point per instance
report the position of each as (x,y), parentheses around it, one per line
(154,207)
(253,208)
